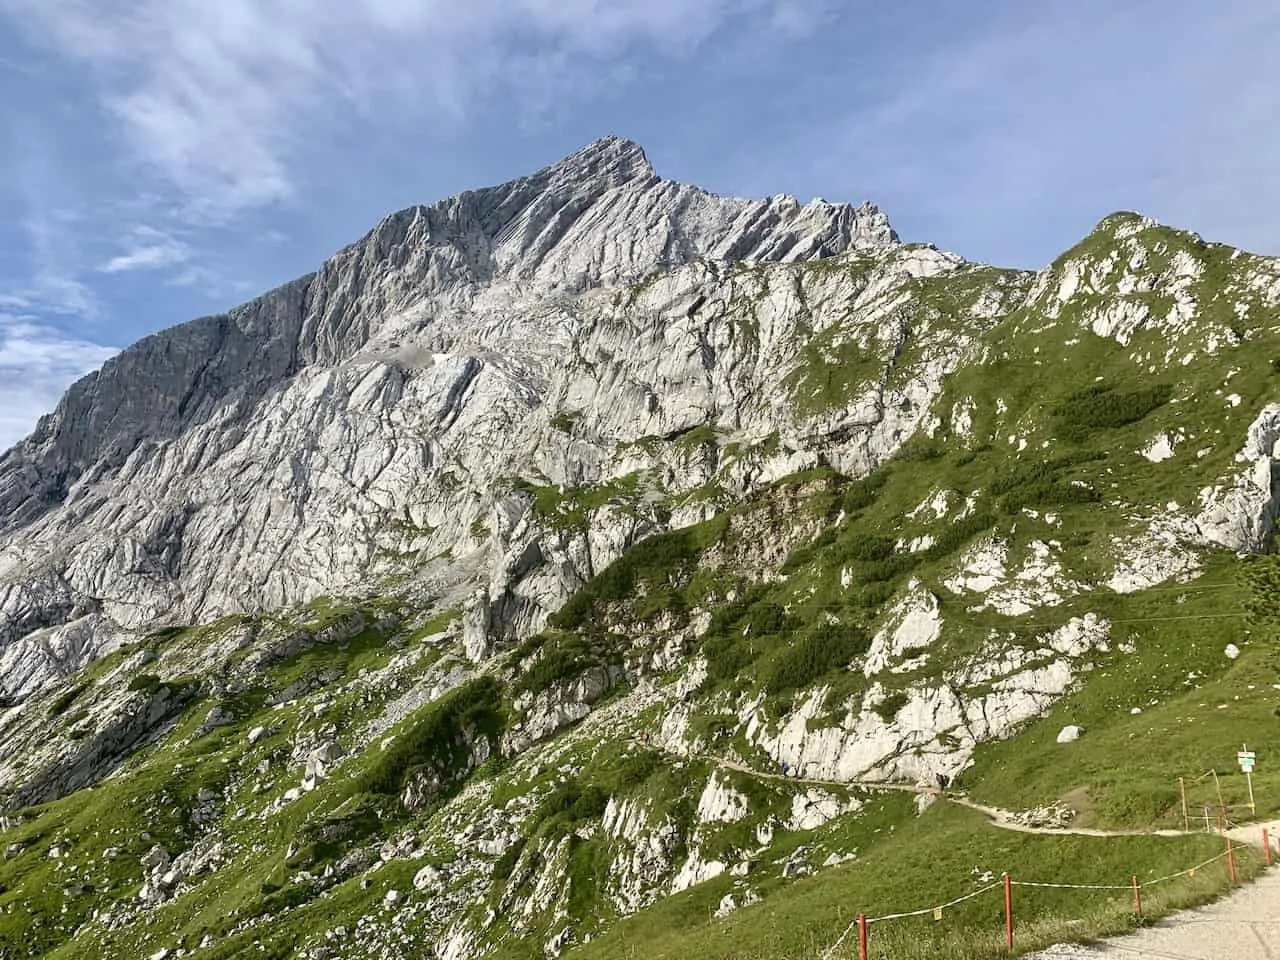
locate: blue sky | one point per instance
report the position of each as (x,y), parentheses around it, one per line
(164,159)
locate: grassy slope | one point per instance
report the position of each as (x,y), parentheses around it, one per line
(1123,772)
(907,862)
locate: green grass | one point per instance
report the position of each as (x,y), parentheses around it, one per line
(907,863)
(1130,764)
(1058,416)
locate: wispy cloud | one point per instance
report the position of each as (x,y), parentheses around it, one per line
(37,364)
(1015,136)
(221,98)
(147,249)
(54,285)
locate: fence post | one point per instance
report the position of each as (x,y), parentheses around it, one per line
(1137,897)
(1008,911)
(862,936)
(1266,845)
(1186,820)
(1231,861)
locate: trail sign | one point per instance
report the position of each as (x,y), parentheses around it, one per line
(1246,757)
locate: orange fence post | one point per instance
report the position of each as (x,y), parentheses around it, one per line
(1137,897)
(1231,861)
(1266,845)
(1008,911)
(862,936)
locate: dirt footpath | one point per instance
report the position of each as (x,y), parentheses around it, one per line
(1243,926)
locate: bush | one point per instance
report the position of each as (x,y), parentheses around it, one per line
(437,738)
(1102,407)
(863,493)
(803,554)
(957,534)
(656,561)
(727,656)
(569,804)
(769,618)
(824,648)
(888,708)
(882,571)
(65,700)
(728,651)
(867,547)
(1040,484)
(1048,494)
(919,448)
(870,596)
(563,657)
(147,682)
(506,864)
(635,769)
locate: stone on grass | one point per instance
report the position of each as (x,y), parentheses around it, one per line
(1070,733)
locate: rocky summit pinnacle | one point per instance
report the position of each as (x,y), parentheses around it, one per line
(612,158)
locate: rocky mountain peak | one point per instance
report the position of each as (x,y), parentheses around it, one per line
(436,327)
(611,158)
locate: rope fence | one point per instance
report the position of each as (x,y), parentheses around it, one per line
(862,922)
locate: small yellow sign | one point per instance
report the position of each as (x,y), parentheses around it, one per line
(937,913)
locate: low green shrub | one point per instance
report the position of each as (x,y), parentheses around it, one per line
(824,648)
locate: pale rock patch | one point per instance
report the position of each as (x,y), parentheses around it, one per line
(814,807)
(1159,555)
(1240,515)
(1159,449)
(1070,733)
(912,624)
(720,803)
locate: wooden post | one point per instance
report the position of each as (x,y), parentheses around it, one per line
(1266,846)
(862,936)
(1186,819)
(1137,897)
(1231,861)
(1008,912)
(1217,785)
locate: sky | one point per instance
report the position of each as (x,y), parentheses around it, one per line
(167,159)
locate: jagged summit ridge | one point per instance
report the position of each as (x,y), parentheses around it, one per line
(603,215)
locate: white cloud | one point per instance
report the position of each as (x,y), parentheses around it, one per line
(53,285)
(220,98)
(147,249)
(37,364)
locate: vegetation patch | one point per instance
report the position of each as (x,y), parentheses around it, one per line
(1103,407)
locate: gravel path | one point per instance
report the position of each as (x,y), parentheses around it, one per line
(999,818)
(1242,926)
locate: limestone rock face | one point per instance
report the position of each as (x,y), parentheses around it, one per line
(1242,514)
(380,408)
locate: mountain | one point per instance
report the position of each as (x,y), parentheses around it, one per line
(207,469)
(468,595)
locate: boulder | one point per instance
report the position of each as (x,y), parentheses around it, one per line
(1070,733)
